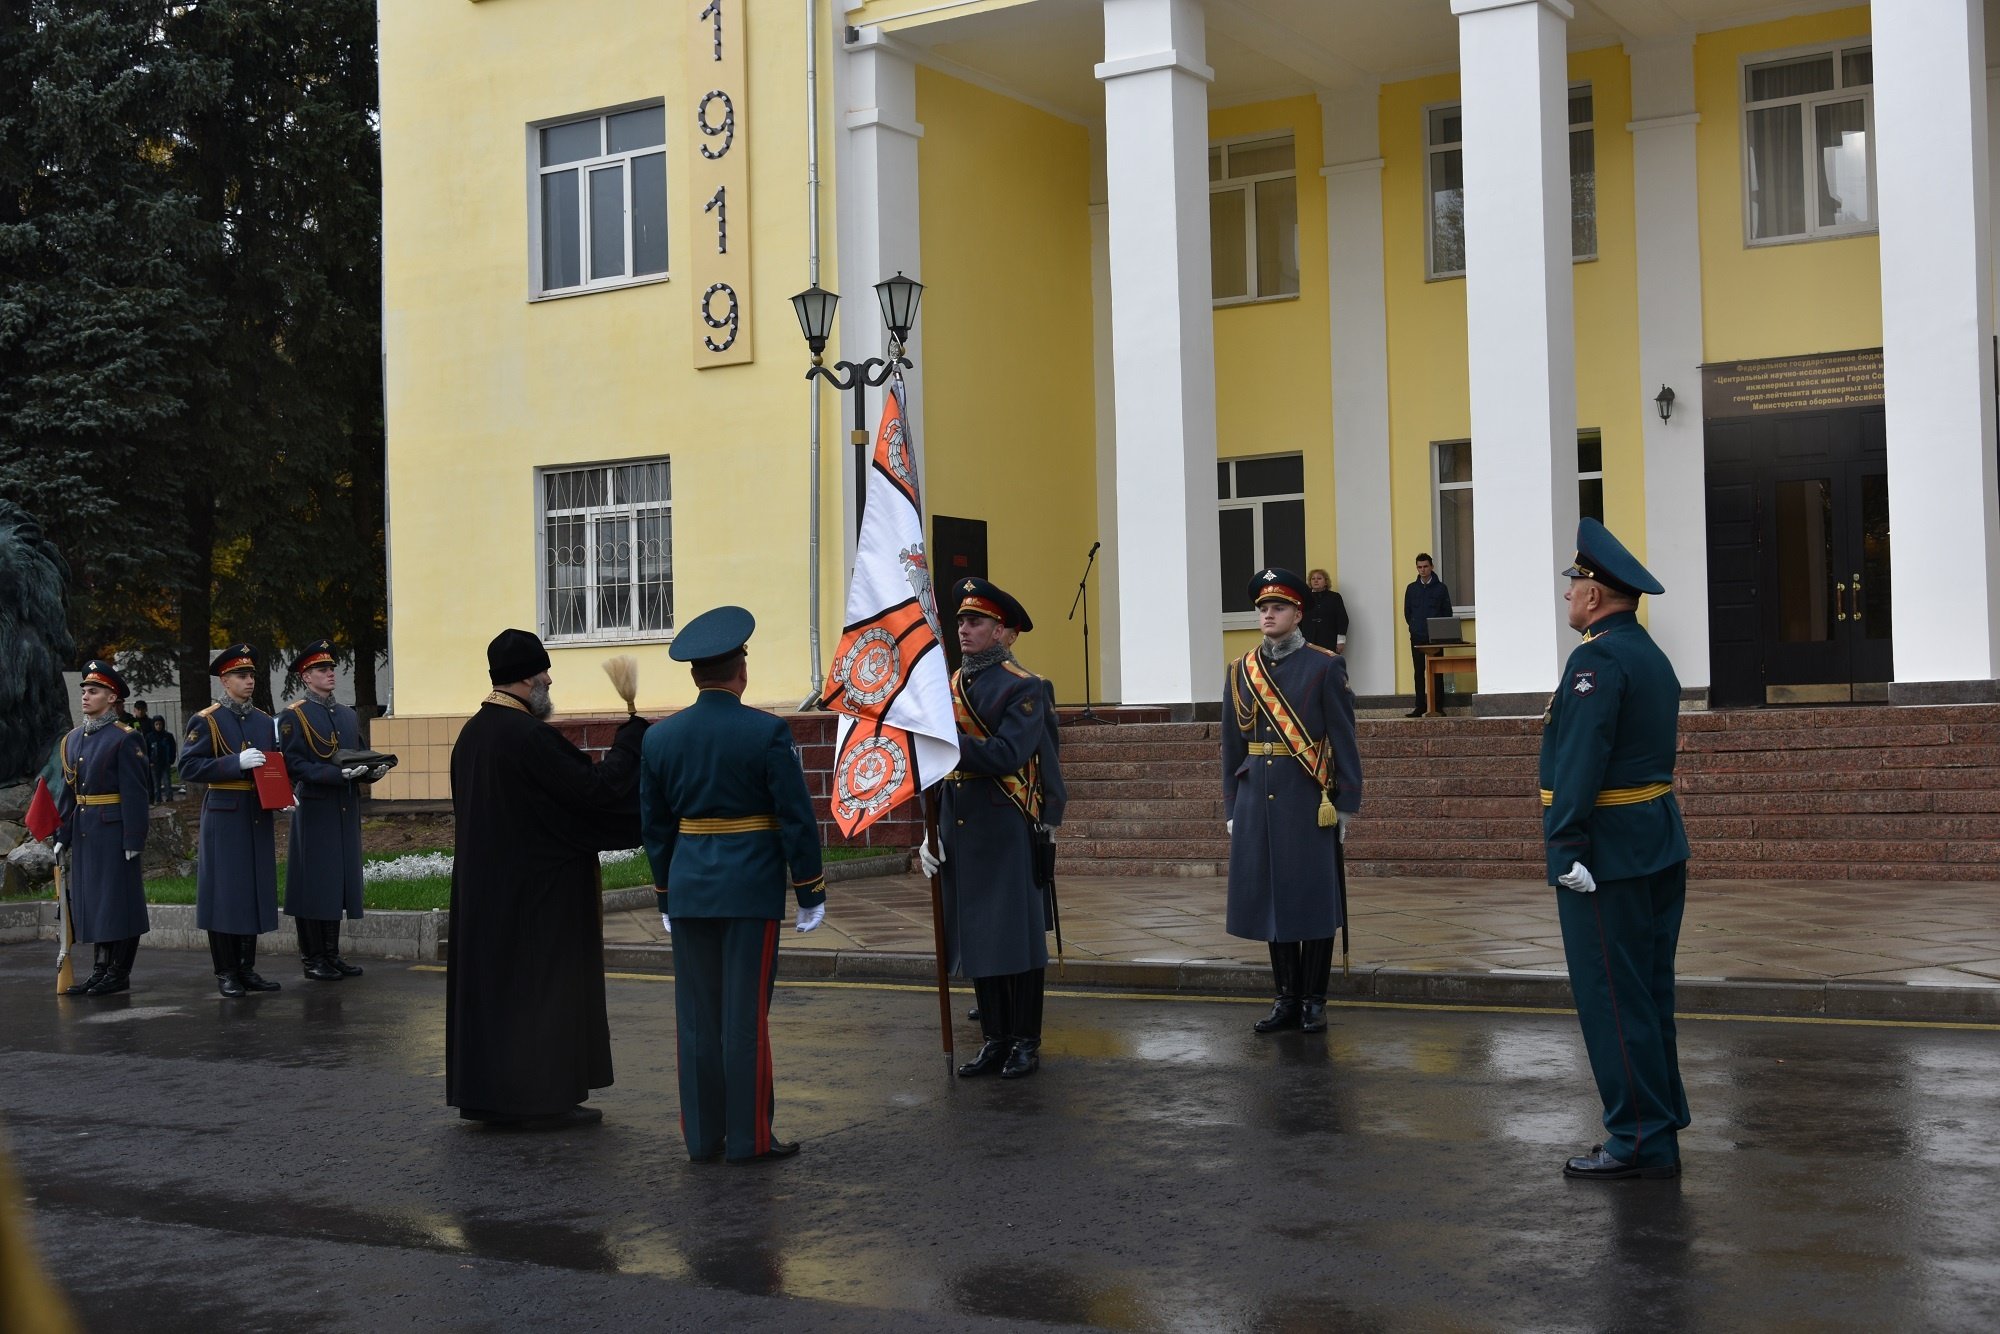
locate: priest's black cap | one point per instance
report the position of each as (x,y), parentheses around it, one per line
(515,655)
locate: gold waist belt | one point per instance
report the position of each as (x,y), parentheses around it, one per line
(242,785)
(960,776)
(100,799)
(1269,748)
(1620,796)
(728,824)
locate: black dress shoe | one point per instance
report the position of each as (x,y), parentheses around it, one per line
(254,981)
(1284,1014)
(229,985)
(342,966)
(319,970)
(1414,713)
(990,1058)
(111,984)
(1024,1060)
(83,985)
(1312,1016)
(779,1149)
(973,1014)
(1601,1165)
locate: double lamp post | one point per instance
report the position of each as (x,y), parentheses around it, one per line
(899,297)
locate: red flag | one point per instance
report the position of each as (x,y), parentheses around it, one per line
(42,819)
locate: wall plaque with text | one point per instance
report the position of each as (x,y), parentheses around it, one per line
(1821,382)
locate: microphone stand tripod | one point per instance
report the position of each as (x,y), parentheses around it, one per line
(1089,715)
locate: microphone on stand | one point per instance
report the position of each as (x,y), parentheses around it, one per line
(1089,715)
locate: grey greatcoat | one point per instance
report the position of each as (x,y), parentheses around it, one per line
(993,915)
(236,873)
(1281,860)
(323,858)
(107,889)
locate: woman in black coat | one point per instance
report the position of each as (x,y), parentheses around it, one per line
(1325,622)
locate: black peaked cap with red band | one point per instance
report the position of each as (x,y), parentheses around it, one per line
(98,672)
(973,596)
(313,654)
(1274,581)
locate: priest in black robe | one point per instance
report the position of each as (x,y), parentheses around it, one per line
(526,1038)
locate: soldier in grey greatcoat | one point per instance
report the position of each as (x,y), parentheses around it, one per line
(323,857)
(992,805)
(103,810)
(236,875)
(1291,777)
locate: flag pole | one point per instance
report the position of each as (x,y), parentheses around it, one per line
(937,928)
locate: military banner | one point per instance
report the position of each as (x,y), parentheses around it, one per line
(888,675)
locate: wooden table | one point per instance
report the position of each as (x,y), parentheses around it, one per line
(1440,661)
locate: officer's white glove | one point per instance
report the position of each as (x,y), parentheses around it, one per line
(1578,879)
(250,758)
(130,855)
(928,859)
(1345,821)
(666,924)
(353,771)
(1229,826)
(56,850)
(810,918)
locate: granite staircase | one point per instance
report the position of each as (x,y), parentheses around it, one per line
(1863,792)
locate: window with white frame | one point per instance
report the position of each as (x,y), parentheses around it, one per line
(1253,220)
(1262,521)
(607,538)
(1451,508)
(1444,173)
(600,201)
(1809,145)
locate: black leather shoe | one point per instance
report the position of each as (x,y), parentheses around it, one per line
(319,970)
(229,985)
(973,1014)
(342,966)
(254,981)
(1312,1016)
(111,983)
(1284,1014)
(83,985)
(779,1149)
(990,1058)
(1414,713)
(1024,1060)
(1601,1165)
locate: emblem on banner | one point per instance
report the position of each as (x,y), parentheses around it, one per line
(869,669)
(870,776)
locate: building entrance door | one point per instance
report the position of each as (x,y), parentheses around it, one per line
(1799,550)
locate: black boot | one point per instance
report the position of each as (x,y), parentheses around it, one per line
(100,955)
(246,956)
(1024,991)
(1316,967)
(991,992)
(1285,973)
(1023,1060)
(329,936)
(222,953)
(312,934)
(118,975)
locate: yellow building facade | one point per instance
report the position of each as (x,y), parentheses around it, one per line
(1190,292)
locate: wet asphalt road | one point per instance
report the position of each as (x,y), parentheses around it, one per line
(288,1164)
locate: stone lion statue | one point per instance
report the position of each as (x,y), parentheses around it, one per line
(35,644)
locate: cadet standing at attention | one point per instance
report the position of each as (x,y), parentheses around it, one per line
(236,872)
(323,857)
(1291,776)
(730,831)
(1618,853)
(992,812)
(104,812)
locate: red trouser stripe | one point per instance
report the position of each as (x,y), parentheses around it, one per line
(761,1111)
(1618,1027)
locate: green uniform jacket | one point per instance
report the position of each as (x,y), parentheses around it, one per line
(721,759)
(1609,732)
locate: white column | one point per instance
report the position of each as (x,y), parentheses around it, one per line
(1358,304)
(1667,208)
(1108,683)
(1163,349)
(1937,342)
(1520,325)
(879,234)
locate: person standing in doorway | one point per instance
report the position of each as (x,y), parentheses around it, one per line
(1424,598)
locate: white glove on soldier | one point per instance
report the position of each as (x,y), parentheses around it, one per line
(928,859)
(353,771)
(1578,879)
(810,918)
(1229,826)
(56,850)
(1345,821)
(666,924)
(130,855)
(250,758)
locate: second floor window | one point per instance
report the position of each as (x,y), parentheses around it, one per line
(1444,171)
(1253,220)
(1808,146)
(601,201)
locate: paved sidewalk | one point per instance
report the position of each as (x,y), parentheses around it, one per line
(1849,948)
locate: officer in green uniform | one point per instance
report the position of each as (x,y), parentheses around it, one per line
(730,830)
(1618,854)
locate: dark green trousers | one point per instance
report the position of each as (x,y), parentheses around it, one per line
(1620,945)
(724,969)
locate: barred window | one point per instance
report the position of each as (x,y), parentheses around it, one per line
(607,538)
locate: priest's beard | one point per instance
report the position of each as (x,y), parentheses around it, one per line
(539,702)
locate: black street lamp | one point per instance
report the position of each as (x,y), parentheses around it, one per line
(899,297)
